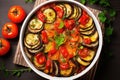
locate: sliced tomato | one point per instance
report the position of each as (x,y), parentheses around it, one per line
(52,52)
(84,18)
(64,66)
(87,40)
(64,51)
(41,59)
(69,24)
(59,11)
(44,36)
(57,24)
(48,64)
(83,52)
(41,16)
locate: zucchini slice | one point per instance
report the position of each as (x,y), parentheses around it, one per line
(74,14)
(67,72)
(69,10)
(90,56)
(35,25)
(93,37)
(32,40)
(34,51)
(79,13)
(80,61)
(87,29)
(50,15)
(92,45)
(90,32)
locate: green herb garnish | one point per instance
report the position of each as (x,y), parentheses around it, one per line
(61,25)
(83,1)
(102,17)
(31,1)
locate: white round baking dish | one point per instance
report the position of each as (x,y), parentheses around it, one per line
(61,78)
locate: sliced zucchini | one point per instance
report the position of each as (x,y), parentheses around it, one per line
(37,65)
(36,50)
(67,72)
(79,13)
(82,62)
(50,15)
(48,26)
(87,29)
(35,25)
(90,32)
(90,56)
(93,37)
(74,14)
(32,40)
(69,10)
(92,45)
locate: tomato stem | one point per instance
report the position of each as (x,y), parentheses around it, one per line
(8,29)
(15,12)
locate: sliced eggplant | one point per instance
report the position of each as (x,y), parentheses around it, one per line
(35,25)
(50,15)
(90,56)
(34,51)
(79,13)
(37,65)
(87,29)
(56,68)
(87,33)
(67,72)
(27,53)
(69,10)
(92,45)
(80,61)
(93,37)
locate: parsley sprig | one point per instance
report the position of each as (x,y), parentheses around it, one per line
(15,72)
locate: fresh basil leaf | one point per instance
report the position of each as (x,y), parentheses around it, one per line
(112,12)
(108,31)
(59,40)
(83,1)
(102,17)
(61,25)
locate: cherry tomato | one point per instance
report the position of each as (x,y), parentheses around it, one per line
(84,18)
(87,40)
(64,66)
(59,11)
(48,64)
(16,14)
(4,46)
(83,52)
(10,30)
(69,24)
(41,59)
(41,16)
(44,36)
(57,24)
(64,51)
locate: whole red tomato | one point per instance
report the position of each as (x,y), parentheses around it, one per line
(4,46)
(10,30)
(16,14)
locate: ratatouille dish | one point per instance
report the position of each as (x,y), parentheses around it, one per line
(61,39)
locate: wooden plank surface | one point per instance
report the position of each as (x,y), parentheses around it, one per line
(18,58)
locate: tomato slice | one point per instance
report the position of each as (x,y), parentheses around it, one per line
(83,52)
(44,36)
(57,24)
(84,18)
(48,64)
(59,11)
(41,16)
(41,59)
(69,24)
(64,66)
(64,51)
(87,40)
